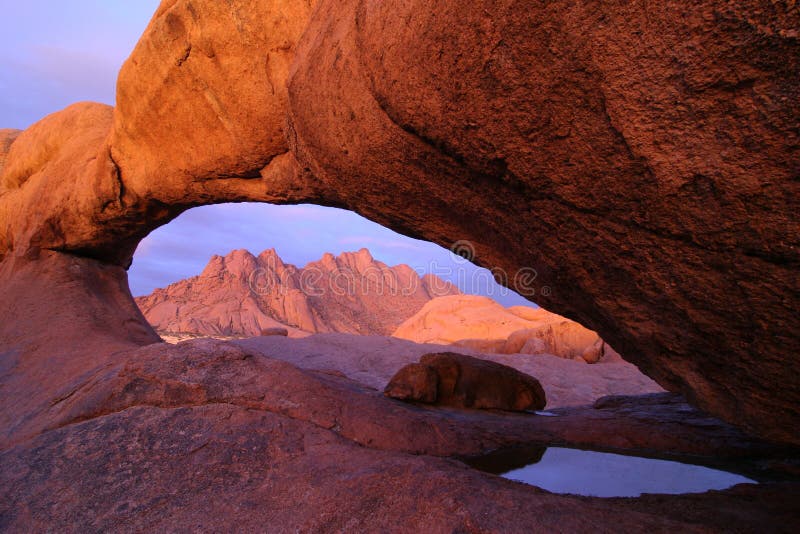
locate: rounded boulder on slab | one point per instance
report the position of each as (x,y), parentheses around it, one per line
(467,382)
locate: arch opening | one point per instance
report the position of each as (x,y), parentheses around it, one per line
(254,270)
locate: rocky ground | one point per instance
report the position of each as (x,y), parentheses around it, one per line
(372,360)
(207,434)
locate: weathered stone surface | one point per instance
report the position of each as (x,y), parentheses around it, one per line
(179,118)
(7,136)
(54,187)
(641,159)
(199,372)
(206,433)
(460,317)
(214,76)
(241,294)
(460,381)
(414,382)
(275,331)
(61,317)
(211,466)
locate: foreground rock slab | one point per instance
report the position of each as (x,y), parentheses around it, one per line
(205,435)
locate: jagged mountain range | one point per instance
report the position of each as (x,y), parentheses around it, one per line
(241,294)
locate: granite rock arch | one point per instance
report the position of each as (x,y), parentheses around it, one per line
(643,160)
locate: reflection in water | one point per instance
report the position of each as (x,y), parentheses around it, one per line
(504,460)
(602,474)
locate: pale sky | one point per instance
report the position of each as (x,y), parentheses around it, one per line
(54,53)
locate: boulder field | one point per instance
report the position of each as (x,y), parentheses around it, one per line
(631,166)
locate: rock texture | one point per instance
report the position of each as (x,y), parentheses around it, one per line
(227,140)
(206,433)
(242,294)
(484,325)
(452,379)
(631,165)
(415,382)
(7,136)
(275,331)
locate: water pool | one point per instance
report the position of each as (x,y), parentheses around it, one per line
(602,474)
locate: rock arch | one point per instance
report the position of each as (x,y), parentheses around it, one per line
(644,161)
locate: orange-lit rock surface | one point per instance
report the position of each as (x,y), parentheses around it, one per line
(7,136)
(482,324)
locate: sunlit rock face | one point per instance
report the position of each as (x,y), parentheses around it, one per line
(641,162)
(484,325)
(7,136)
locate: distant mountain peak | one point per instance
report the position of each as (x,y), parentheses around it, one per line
(240,294)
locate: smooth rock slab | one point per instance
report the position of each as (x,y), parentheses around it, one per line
(373,360)
(204,435)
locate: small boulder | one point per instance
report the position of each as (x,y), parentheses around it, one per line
(274,331)
(456,380)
